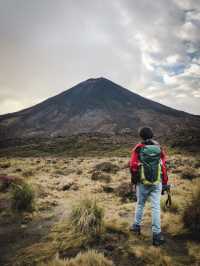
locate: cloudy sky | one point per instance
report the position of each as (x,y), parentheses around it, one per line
(149,47)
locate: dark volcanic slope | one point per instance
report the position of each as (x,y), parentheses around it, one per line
(95,105)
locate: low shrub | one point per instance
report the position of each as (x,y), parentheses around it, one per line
(125,192)
(18,170)
(152,256)
(35,254)
(79,172)
(70,186)
(197,163)
(28,173)
(99,176)
(87,217)
(191,214)
(108,189)
(107,167)
(22,197)
(5,165)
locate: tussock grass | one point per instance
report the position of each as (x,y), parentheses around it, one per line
(117,227)
(189,173)
(196,163)
(152,256)
(89,258)
(107,167)
(99,176)
(55,262)
(172,223)
(194,251)
(35,254)
(22,196)
(28,173)
(175,206)
(70,241)
(84,227)
(87,217)
(191,214)
(5,165)
(79,172)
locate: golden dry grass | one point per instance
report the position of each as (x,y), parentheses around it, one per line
(71,235)
(35,254)
(89,258)
(87,217)
(152,256)
(191,214)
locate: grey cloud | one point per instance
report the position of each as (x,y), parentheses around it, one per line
(48,46)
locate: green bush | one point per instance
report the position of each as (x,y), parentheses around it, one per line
(191,214)
(22,197)
(87,217)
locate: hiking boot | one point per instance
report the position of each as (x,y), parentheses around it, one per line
(135,228)
(158,239)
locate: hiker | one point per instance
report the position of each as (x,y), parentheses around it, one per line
(148,175)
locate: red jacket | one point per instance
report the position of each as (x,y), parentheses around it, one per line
(134,162)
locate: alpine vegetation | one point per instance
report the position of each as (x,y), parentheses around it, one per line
(191,214)
(89,258)
(22,196)
(87,217)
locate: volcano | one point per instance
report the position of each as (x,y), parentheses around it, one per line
(94,106)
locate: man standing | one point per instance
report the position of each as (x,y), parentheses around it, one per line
(148,173)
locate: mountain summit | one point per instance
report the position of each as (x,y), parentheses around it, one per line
(95,105)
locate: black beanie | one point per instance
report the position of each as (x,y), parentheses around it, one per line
(146,133)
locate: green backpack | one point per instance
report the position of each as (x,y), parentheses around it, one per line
(150,168)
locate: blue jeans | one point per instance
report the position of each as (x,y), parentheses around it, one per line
(154,192)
